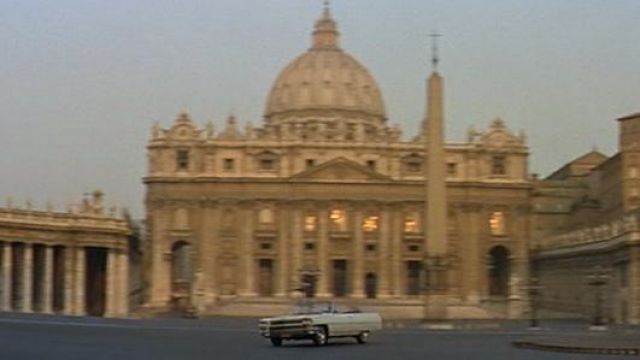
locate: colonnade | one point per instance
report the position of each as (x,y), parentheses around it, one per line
(71,280)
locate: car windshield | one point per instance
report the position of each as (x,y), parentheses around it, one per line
(313,308)
(307,307)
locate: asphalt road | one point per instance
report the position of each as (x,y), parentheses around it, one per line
(49,337)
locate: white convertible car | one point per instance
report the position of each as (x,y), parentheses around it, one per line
(319,323)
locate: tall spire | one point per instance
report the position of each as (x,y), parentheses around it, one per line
(435,170)
(325,33)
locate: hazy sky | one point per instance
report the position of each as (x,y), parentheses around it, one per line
(82,81)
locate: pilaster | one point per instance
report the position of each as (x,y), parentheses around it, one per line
(323,240)
(383,253)
(296,248)
(284,216)
(358,257)
(396,252)
(248,253)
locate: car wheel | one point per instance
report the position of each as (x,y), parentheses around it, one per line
(363,337)
(276,341)
(321,336)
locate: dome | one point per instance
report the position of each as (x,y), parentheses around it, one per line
(325,78)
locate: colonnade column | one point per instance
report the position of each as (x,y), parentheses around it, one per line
(111,293)
(247,252)
(323,240)
(358,257)
(79,286)
(383,253)
(6,276)
(283,250)
(122,308)
(47,283)
(27,278)
(68,280)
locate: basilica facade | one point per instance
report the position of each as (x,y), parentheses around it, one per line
(327,199)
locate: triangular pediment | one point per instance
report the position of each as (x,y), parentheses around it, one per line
(340,169)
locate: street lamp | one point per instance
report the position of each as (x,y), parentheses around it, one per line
(308,278)
(598,279)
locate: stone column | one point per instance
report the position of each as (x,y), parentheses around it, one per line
(397,230)
(283,252)
(79,286)
(122,308)
(47,281)
(323,241)
(68,281)
(384,258)
(296,248)
(27,278)
(247,252)
(358,257)
(111,291)
(7,267)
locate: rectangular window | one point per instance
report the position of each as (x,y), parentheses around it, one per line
(498,165)
(229,164)
(371,164)
(413,277)
(182,159)
(452,169)
(267,164)
(310,163)
(413,166)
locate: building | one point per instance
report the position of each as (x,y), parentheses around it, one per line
(587,234)
(327,199)
(72,263)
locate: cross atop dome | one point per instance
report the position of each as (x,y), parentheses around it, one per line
(325,34)
(327,9)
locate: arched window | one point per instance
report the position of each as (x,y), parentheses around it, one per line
(338,219)
(412,222)
(266,216)
(310,223)
(371,223)
(497,223)
(181,274)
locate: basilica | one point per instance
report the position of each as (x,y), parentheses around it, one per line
(327,199)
